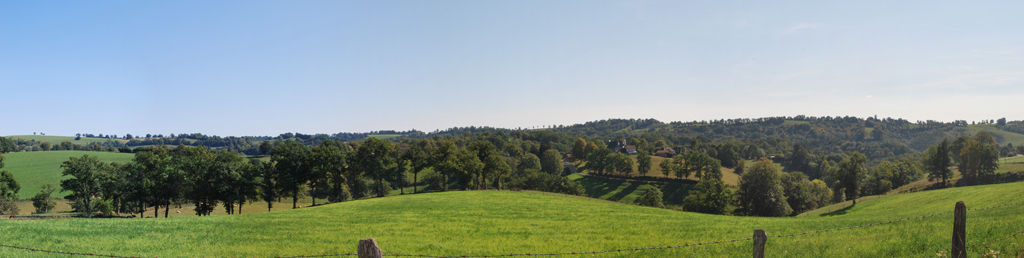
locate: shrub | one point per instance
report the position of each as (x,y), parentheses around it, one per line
(652,198)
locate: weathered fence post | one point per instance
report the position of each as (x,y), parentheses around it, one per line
(368,249)
(760,238)
(959,249)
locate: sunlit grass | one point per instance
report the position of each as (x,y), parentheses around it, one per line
(497,222)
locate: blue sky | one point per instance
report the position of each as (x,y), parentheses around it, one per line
(269,67)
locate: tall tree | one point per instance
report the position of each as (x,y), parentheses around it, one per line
(850,173)
(597,161)
(644,163)
(446,162)
(291,159)
(937,160)
(330,165)
(551,162)
(761,191)
(579,149)
(43,201)
(374,158)
(8,190)
(83,181)
(420,160)
(702,165)
(113,184)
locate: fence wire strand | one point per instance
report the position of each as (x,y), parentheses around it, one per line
(590,252)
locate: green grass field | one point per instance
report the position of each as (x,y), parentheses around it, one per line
(1011,160)
(57,139)
(1008,137)
(34,169)
(627,191)
(502,222)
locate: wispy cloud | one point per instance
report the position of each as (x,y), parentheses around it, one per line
(800,26)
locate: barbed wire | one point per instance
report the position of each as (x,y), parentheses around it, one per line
(590,252)
(60,252)
(577,253)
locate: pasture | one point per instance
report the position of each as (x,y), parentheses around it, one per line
(1007,137)
(503,222)
(34,169)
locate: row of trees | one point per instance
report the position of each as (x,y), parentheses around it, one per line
(977,159)
(333,170)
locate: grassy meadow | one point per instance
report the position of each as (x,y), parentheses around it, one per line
(627,191)
(501,222)
(1008,137)
(34,169)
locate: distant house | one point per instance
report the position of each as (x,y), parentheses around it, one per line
(666,152)
(617,146)
(568,168)
(631,149)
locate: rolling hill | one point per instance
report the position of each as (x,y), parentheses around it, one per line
(504,222)
(34,169)
(57,139)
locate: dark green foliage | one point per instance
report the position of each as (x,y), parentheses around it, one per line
(740,166)
(373,159)
(977,157)
(8,190)
(709,196)
(803,194)
(551,162)
(43,202)
(532,179)
(644,163)
(937,161)
(84,179)
(597,161)
(292,161)
(7,145)
(761,191)
(652,197)
(618,162)
(528,162)
(702,165)
(849,174)
(797,159)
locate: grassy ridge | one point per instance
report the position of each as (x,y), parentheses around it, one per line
(1008,137)
(492,222)
(34,169)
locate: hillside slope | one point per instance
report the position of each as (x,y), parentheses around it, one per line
(34,169)
(493,222)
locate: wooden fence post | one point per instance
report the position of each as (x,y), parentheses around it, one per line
(959,249)
(760,238)
(368,249)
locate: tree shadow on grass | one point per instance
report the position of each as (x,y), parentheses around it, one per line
(674,194)
(629,189)
(597,187)
(842,211)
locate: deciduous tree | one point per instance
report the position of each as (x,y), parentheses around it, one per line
(761,191)
(83,181)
